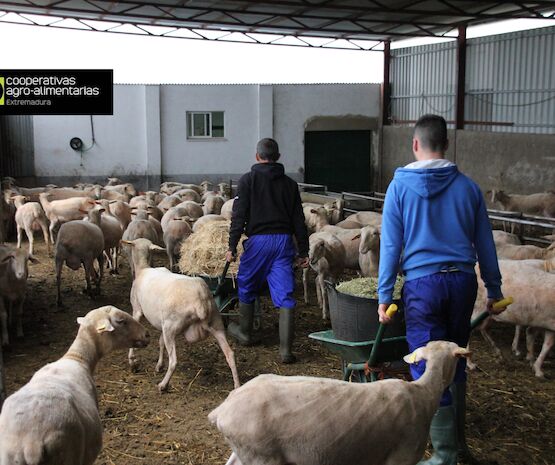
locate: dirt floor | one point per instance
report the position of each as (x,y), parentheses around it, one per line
(511,413)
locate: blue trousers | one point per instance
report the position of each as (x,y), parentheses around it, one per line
(268,257)
(439,307)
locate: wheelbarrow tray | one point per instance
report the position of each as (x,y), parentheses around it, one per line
(227,293)
(390,350)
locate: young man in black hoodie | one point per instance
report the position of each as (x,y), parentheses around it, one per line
(269,210)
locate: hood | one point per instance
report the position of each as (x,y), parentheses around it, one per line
(272,170)
(427,182)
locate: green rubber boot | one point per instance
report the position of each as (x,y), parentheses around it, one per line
(458,392)
(242,332)
(443,432)
(286,334)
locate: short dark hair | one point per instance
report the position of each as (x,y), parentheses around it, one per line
(431,131)
(268,149)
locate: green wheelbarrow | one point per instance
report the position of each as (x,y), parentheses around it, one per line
(224,290)
(382,357)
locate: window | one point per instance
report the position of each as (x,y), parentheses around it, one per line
(205,124)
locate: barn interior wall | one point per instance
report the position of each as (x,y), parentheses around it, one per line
(517,163)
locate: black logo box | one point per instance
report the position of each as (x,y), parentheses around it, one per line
(101,104)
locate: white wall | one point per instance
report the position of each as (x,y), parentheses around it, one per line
(120,140)
(295,105)
(147,135)
(231,155)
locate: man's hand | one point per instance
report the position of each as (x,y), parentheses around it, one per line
(230,256)
(495,311)
(302,262)
(382,308)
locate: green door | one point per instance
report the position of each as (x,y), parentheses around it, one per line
(338,159)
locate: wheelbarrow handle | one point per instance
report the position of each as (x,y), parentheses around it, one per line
(391,310)
(484,315)
(221,279)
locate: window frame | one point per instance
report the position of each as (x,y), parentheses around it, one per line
(190,116)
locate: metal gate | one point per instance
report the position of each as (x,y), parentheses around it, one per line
(340,160)
(17,151)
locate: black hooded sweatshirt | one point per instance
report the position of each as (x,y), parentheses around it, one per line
(268,202)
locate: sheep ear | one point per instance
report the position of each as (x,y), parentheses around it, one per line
(80,320)
(32,259)
(123,241)
(312,210)
(157,247)
(414,357)
(104,326)
(356,237)
(462,352)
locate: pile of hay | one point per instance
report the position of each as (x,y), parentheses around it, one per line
(203,252)
(368,287)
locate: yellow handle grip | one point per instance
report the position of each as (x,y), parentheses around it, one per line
(391,310)
(503,303)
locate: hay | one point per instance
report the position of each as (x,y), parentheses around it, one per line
(203,252)
(368,287)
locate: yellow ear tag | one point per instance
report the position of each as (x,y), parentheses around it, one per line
(101,327)
(410,358)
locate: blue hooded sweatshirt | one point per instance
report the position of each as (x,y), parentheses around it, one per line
(436,218)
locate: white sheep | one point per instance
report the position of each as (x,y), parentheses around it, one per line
(140,227)
(227,209)
(327,258)
(81,242)
(369,251)
(13,287)
(276,420)
(542,204)
(30,217)
(54,418)
(176,232)
(213,204)
(174,304)
(203,220)
(2,380)
(61,211)
(122,211)
(315,218)
(112,231)
(192,209)
(534,303)
(502,237)
(524,252)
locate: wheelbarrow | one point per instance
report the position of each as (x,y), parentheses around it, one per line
(382,357)
(224,290)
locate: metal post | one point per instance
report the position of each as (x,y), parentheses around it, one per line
(386,87)
(461,72)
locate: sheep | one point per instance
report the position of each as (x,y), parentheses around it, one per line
(81,242)
(61,211)
(2,380)
(205,186)
(350,238)
(125,189)
(140,227)
(188,194)
(173,213)
(534,306)
(227,209)
(114,195)
(327,258)
(192,209)
(213,205)
(30,217)
(54,418)
(112,231)
(62,193)
(157,227)
(502,237)
(206,219)
(174,304)
(169,202)
(139,200)
(176,232)
(315,218)
(114,181)
(225,190)
(334,210)
(155,212)
(13,286)
(524,252)
(275,420)
(122,211)
(542,204)
(171,187)
(363,218)
(369,251)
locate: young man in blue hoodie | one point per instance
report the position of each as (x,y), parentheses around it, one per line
(269,210)
(435,225)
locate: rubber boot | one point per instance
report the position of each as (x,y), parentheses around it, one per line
(443,432)
(242,332)
(458,393)
(286,334)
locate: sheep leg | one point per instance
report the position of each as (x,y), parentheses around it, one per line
(219,334)
(169,340)
(320,285)
(531,334)
(59,264)
(516,340)
(115,259)
(101,273)
(318,290)
(51,229)
(160,363)
(137,315)
(19,234)
(548,341)
(305,285)
(233,460)
(89,273)
(44,228)
(4,323)
(489,339)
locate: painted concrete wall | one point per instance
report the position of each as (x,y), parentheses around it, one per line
(120,147)
(296,105)
(517,163)
(146,138)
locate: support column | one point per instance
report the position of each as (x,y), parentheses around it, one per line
(265,111)
(461,74)
(153,137)
(386,87)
